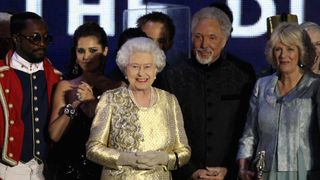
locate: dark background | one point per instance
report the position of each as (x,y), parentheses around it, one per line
(250,49)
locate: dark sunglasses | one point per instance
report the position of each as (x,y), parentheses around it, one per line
(36,38)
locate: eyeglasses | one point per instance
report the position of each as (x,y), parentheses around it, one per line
(36,38)
(138,67)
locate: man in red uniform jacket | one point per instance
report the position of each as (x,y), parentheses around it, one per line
(27,79)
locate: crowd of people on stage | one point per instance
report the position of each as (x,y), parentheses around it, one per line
(205,117)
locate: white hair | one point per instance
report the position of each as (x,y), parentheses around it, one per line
(215,14)
(140,44)
(310,26)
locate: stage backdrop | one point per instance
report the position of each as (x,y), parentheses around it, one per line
(249,26)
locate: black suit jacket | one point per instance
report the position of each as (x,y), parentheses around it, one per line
(214,100)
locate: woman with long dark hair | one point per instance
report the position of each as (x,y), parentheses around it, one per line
(75,101)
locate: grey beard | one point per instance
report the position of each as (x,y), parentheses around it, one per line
(203,60)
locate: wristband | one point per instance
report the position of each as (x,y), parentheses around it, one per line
(69,111)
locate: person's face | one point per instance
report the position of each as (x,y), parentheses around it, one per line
(141,71)
(208,41)
(315,39)
(32,42)
(90,53)
(286,58)
(154,30)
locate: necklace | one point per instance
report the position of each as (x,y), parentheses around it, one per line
(151,100)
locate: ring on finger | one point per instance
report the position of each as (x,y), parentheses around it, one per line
(79,97)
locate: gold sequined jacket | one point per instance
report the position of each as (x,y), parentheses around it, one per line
(121,126)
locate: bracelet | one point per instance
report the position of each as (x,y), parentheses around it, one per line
(69,111)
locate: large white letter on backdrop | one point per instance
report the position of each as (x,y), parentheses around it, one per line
(268,8)
(297,8)
(34,6)
(136,7)
(105,10)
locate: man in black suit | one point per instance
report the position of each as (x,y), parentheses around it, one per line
(213,90)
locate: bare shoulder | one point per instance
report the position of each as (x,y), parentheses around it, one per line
(65,85)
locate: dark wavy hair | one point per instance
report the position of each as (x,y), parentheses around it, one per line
(130,33)
(85,30)
(169,28)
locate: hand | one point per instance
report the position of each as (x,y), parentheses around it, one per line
(218,172)
(128,159)
(210,173)
(201,174)
(150,159)
(85,92)
(245,174)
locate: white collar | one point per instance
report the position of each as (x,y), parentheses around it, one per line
(23,65)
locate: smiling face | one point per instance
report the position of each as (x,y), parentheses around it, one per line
(89,53)
(286,58)
(25,47)
(208,41)
(141,71)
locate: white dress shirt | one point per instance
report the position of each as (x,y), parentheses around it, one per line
(23,65)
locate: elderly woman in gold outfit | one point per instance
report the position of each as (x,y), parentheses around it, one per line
(138,130)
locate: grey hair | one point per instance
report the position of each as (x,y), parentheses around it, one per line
(310,26)
(292,34)
(5,17)
(144,45)
(215,14)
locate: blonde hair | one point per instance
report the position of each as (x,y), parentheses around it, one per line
(292,34)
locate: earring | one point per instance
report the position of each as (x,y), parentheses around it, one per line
(75,69)
(301,65)
(126,77)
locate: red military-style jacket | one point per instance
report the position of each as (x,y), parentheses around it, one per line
(11,96)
